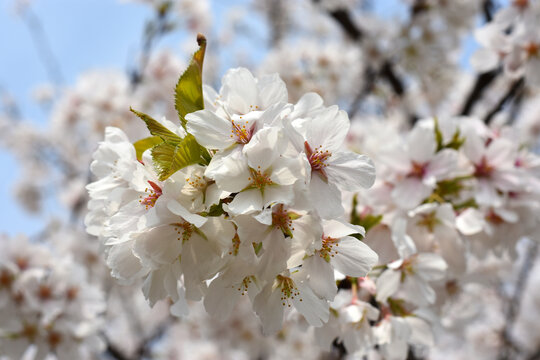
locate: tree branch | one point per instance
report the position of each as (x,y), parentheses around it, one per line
(488,8)
(154,30)
(512,92)
(344,19)
(115,353)
(483,80)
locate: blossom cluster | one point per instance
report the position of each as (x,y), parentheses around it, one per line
(188,216)
(262,218)
(47,305)
(512,40)
(450,194)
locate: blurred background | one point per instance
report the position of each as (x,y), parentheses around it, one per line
(69,69)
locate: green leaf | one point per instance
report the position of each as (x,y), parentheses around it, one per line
(188,95)
(455,143)
(144,144)
(215,210)
(438,135)
(397,307)
(366,221)
(169,158)
(257,247)
(157,129)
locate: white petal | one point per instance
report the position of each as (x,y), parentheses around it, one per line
(430,266)
(532,71)
(177,208)
(417,291)
(354,258)
(321,277)
(265,147)
(327,129)
(277,194)
(387,284)
(501,152)
(157,246)
(124,265)
(421,331)
(410,192)
(470,222)
(154,287)
(338,229)
(287,171)
(269,308)
(422,144)
(230,171)
(314,309)
(484,60)
(220,299)
(443,164)
(210,130)
(307,103)
(350,171)
(246,202)
(403,242)
(272,90)
(325,198)
(239,90)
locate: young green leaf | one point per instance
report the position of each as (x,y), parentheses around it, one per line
(169,158)
(157,129)
(144,144)
(188,95)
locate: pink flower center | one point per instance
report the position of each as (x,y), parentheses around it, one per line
(242,133)
(259,179)
(532,49)
(184,230)
(521,4)
(317,158)
(283,220)
(494,218)
(288,289)
(417,170)
(155,193)
(327,250)
(483,169)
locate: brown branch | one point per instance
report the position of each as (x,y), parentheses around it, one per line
(155,29)
(483,80)
(344,19)
(488,8)
(115,353)
(512,92)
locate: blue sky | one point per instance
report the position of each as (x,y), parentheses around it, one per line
(83,34)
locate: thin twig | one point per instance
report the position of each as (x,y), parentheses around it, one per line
(154,31)
(345,20)
(488,8)
(512,92)
(115,353)
(483,80)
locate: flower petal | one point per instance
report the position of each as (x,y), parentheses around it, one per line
(354,258)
